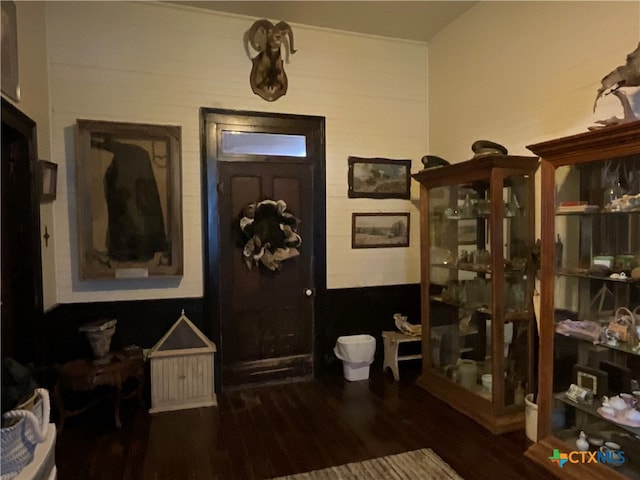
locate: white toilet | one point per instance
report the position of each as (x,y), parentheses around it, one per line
(356,353)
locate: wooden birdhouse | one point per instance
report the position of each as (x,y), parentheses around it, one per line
(182,369)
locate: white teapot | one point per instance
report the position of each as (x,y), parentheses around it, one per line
(617,403)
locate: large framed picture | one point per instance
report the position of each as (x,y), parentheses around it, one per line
(379,178)
(9,53)
(129,200)
(378,230)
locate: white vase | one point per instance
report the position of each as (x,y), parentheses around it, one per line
(467,373)
(99,335)
(531,418)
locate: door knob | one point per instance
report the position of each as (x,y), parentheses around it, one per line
(308,292)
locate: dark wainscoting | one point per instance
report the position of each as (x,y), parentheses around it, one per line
(140,322)
(351,311)
(347,311)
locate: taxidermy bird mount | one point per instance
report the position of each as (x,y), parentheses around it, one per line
(268,79)
(623,76)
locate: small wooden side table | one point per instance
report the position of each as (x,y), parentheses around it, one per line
(391,342)
(83,376)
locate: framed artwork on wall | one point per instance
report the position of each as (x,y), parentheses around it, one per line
(9,50)
(379,230)
(129,200)
(379,178)
(48,175)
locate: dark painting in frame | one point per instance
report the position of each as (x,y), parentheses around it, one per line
(379,178)
(380,230)
(129,200)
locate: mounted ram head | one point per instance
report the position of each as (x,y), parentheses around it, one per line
(268,79)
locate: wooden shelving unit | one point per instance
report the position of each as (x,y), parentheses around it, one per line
(579,168)
(477,312)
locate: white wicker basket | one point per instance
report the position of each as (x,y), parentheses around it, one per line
(19,440)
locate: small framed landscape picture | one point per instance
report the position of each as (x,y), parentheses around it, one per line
(379,178)
(379,230)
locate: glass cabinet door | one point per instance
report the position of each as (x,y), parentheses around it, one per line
(596,367)
(480,245)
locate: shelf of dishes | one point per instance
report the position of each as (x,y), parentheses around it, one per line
(585,273)
(603,445)
(480,216)
(594,333)
(478,267)
(472,209)
(593,210)
(477,261)
(509,315)
(625,415)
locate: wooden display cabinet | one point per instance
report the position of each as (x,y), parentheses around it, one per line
(590,248)
(477,236)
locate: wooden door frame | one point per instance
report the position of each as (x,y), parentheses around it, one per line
(210,221)
(29,344)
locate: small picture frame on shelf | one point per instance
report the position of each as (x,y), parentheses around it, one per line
(592,378)
(579,394)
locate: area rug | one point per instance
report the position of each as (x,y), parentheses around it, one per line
(421,464)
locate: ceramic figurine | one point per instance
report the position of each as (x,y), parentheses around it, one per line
(581,443)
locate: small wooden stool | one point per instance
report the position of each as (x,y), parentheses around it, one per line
(391,342)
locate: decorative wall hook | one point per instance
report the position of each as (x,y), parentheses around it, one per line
(268,79)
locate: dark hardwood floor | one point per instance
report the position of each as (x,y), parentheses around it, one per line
(265,432)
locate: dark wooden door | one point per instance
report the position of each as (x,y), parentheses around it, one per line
(267,321)
(264,318)
(21,258)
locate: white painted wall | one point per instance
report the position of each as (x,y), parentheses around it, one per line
(513,72)
(523,72)
(157,63)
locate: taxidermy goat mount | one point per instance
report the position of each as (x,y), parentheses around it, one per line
(623,76)
(268,79)
(270,233)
